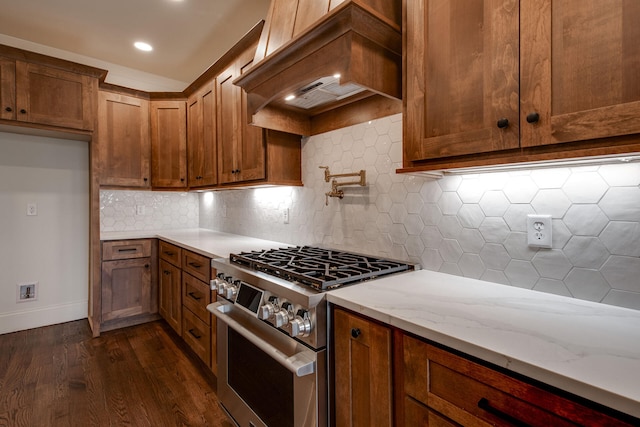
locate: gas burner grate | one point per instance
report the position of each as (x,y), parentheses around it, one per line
(320,268)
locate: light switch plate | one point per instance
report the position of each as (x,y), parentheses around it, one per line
(539,231)
(32,209)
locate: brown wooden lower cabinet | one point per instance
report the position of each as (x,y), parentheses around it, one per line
(384,376)
(363,391)
(129,290)
(446,389)
(185,293)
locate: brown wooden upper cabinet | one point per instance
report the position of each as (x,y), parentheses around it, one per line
(123,132)
(43,95)
(241,147)
(169,144)
(202,150)
(489,82)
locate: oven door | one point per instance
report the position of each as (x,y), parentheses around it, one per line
(266,378)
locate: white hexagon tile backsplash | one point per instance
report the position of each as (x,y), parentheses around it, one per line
(470,225)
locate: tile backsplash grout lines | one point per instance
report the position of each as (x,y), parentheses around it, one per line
(469,225)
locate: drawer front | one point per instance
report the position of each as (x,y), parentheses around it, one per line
(197,335)
(197,265)
(196,295)
(126,249)
(170,253)
(472,394)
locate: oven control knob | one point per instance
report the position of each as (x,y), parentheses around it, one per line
(281,318)
(222,287)
(301,324)
(269,309)
(232,290)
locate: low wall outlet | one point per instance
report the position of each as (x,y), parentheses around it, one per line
(32,209)
(539,231)
(27,292)
(285,215)
(140,210)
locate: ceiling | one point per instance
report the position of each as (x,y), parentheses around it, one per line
(187,35)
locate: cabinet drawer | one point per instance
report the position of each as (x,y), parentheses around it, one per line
(126,249)
(197,335)
(197,265)
(170,253)
(473,394)
(196,295)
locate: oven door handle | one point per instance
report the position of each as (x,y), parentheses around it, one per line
(300,363)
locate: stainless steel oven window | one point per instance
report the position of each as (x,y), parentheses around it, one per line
(263,383)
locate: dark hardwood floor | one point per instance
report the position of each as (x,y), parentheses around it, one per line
(139,376)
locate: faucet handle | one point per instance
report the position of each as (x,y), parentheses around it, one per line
(327,174)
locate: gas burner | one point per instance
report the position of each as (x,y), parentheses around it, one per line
(319,268)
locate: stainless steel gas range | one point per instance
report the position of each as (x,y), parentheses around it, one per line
(272,330)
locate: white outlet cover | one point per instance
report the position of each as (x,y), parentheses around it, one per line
(27,291)
(539,231)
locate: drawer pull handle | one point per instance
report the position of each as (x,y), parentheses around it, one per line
(192,295)
(191,331)
(167,272)
(484,404)
(195,265)
(169,253)
(503,123)
(128,250)
(355,332)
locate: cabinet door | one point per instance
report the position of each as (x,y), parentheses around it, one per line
(7,89)
(202,150)
(123,132)
(126,288)
(362,371)
(170,295)
(251,156)
(580,70)
(461,78)
(55,97)
(228,126)
(168,144)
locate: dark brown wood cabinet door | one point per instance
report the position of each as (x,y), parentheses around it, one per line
(55,97)
(126,288)
(580,70)
(362,371)
(170,306)
(461,78)
(201,145)
(7,89)
(123,132)
(168,144)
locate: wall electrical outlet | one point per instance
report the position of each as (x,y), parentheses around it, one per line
(32,209)
(140,209)
(285,215)
(539,231)
(27,292)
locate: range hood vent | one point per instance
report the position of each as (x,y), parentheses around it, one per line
(343,68)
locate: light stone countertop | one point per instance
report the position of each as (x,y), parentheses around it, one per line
(212,244)
(589,349)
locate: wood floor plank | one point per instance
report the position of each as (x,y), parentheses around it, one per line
(139,376)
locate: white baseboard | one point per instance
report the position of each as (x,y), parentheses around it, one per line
(42,316)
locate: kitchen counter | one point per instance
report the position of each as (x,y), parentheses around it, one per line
(591,350)
(212,244)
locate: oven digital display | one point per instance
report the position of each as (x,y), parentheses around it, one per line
(249,297)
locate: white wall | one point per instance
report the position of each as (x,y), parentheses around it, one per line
(51,248)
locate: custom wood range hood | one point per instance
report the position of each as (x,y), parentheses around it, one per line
(325,64)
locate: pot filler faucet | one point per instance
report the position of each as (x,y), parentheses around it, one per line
(335,185)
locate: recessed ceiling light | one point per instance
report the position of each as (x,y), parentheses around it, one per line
(289,97)
(143,46)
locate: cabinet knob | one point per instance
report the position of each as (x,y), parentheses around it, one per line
(23,111)
(181,179)
(503,123)
(8,109)
(145,179)
(198,177)
(533,117)
(146,266)
(355,332)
